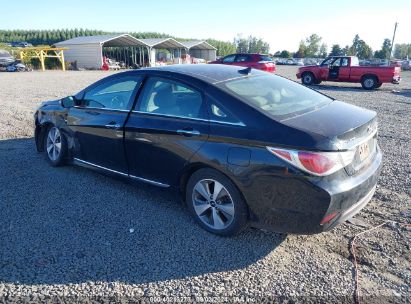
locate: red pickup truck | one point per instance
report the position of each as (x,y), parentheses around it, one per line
(347,69)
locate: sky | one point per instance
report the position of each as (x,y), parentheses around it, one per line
(281,23)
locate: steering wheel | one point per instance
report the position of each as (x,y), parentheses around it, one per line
(117,102)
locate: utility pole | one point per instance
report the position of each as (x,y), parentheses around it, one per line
(393,38)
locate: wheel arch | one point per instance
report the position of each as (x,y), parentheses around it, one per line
(40,133)
(309,72)
(370,75)
(190,169)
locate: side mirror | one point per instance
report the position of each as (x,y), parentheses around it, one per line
(67,102)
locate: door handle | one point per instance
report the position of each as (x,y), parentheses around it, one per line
(188,132)
(113,126)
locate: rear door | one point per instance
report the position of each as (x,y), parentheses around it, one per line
(98,122)
(244,60)
(165,129)
(229,60)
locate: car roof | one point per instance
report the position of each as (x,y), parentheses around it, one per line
(210,73)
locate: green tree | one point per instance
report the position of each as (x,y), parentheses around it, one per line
(285,54)
(360,48)
(402,51)
(323,50)
(223,47)
(312,45)
(302,50)
(251,45)
(384,53)
(336,50)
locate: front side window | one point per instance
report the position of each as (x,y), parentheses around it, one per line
(327,61)
(337,62)
(113,94)
(229,58)
(168,97)
(275,96)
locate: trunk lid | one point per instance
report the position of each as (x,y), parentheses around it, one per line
(346,127)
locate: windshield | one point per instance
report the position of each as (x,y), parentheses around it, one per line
(275,96)
(4,53)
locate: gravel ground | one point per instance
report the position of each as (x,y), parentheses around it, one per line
(70,233)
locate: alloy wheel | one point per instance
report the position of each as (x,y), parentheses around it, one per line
(213,204)
(369,82)
(307,78)
(53,144)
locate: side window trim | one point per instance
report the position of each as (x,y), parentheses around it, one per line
(191,118)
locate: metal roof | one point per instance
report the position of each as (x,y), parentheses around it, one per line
(107,40)
(128,40)
(163,43)
(198,45)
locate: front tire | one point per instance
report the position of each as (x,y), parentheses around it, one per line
(55,146)
(308,78)
(216,203)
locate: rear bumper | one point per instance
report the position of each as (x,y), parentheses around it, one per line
(396,80)
(298,75)
(299,205)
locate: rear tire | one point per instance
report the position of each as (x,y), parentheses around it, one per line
(369,82)
(308,78)
(216,203)
(55,146)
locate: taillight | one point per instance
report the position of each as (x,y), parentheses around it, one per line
(316,163)
(328,218)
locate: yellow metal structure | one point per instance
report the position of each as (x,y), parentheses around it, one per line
(42,53)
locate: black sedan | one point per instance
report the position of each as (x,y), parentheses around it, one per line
(241,146)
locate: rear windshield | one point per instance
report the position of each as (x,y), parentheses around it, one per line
(275,96)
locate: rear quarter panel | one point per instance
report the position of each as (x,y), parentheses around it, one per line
(384,74)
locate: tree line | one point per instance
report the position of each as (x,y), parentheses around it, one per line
(313,47)
(49,37)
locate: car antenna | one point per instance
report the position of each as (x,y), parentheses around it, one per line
(245,71)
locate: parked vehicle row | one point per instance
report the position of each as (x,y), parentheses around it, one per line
(240,145)
(347,69)
(9,64)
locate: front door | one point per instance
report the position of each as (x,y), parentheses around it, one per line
(334,69)
(167,127)
(98,122)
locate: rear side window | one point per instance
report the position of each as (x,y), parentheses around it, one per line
(220,113)
(275,96)
(265,58)
(243,58)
